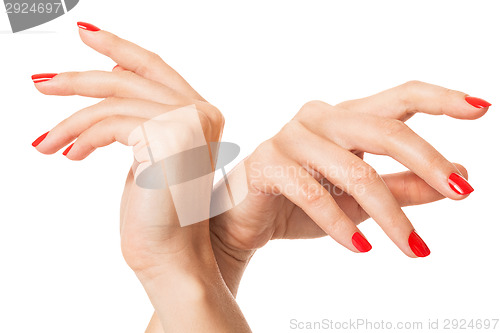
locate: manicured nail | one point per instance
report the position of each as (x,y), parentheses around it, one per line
(37,78)
(360,242)
(417,245)
(459,184)
(39,140)
(87,26)
(477,102)
(68,149)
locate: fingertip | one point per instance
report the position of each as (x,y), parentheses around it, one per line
(360,242)
(68,149)
(477,102)
(472,108)
(84,26)
(118,69)
(417,245)
(462,170)
(460,186)
(43,80)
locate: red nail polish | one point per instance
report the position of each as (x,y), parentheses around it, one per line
(360,242)
(477,102)
(87,26)
(39,140)
(37,78)
(417,245)
(68,149)
(459,184)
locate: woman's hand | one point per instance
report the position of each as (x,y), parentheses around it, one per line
(310,179)
(146,105)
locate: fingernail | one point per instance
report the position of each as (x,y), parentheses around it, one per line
(459,184)
(116,66)
(360,242)
(477,102)
(68,149)
(39,140)
(37,78)
(417,245)
(87,26)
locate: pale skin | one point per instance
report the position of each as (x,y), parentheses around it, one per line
(315,203)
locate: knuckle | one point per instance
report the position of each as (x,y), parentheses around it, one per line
(113,119)
(394,128)
(213,115)
(346,105)
(435,161)
(406,93)
(266,149)
(152,56)
(336,223)
(450,93)
(150,60)
(412,84)
(312,105)
(69,75)
(291,130)
(313,195)
(363,174)
(113,43)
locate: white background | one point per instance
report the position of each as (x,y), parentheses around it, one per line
(61,268)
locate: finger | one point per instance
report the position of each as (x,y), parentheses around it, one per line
(354,176)
(100,84)
(112,129)
(405,100)
(117,69)
(298,186)
(406,187)
(410,190)
(138,60)
(385,136)
(70,128)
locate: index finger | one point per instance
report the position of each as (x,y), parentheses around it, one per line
(403,101)
(135,58)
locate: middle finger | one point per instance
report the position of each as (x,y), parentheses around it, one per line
(101,84)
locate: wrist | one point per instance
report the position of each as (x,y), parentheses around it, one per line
(231,262)
(181,266)
(180,282)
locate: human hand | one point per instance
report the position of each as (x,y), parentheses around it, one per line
(175,264)
(310,180)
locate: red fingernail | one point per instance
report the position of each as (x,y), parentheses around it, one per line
(459,184)
(37,78)
(68,149)
(87,26)
(417,245)
(361,243)
(477,102)
(39,140)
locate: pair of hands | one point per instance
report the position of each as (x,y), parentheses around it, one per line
(307,181)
